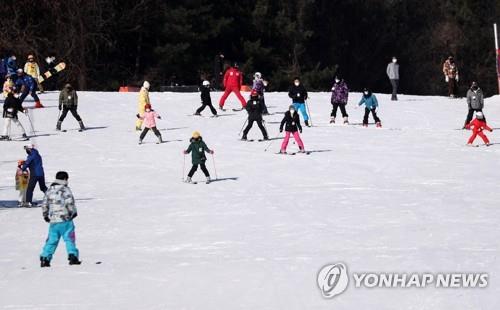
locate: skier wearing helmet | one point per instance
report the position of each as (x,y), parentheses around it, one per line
(255,109)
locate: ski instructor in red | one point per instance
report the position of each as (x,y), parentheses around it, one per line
(233,78)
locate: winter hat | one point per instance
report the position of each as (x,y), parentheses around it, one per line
(147,106)
(479,115)
(62,175)
(146,85)
(196,135)
(205,83)
(67,85)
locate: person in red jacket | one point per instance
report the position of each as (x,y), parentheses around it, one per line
(233,78)
(478,125)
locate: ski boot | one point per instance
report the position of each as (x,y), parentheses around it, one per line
(38,105)
(82,127)
(73,260)
(58,126)
(266,138)
(197,113)
(25,137)
(365,125)
(307,123)
(379,125)
(44,262)
(346,120)
(332,120)
(301,150)
(282,152)
(140,141)
(244,138)
(208,180)
(188,180)
(221,108)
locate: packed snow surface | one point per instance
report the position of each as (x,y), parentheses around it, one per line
(410,197)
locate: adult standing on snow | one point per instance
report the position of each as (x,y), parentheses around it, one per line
(475,102)
(32,68)
(35,165)
(340,94)
(233,79)
(393,75)
(218,70)
(298,94)
(68,102)
(11,108)
(27,85)
(450,71)
(143,100)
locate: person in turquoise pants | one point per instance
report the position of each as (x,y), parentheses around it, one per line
(298,94)
(59,210)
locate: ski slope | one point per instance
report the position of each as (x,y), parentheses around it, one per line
(410,197)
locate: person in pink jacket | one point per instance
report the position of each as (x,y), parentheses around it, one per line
(149,117)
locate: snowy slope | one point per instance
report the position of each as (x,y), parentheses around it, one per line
(410,197)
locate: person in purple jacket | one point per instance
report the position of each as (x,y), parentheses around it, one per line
(340,94)
(259,85)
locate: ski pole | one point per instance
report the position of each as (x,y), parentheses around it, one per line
(31,124)
(183,167)
(215,169)
(270,143)
(243,126)
(308,112)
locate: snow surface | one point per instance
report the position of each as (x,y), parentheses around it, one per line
(410,197)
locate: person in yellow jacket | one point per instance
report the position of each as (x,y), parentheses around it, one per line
(8,86)
(32,68)
(143,100)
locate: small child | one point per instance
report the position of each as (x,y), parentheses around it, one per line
(371,105)
(149,117)
(8,86)
(259,85)
(478,125)
(197,148)
(22,178)
(206,101)
(293,127)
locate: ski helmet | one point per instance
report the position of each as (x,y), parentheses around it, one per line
(147,106)
(479,115)
(19,71)
(254,93)
(257,75)
(205,83)
(196,134)
(146,85)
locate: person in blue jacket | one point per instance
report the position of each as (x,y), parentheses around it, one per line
(371,105)
(27,84)
(35,165)
(11,65)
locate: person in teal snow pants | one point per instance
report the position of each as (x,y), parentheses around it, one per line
(298,94)
(59,210)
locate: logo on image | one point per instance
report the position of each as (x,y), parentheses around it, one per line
(333,280)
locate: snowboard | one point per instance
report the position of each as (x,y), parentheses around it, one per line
(46,75)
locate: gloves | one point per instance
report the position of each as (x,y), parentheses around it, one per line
(281,130)
(184,152)
(60,107)
(300,130)
(446,78)
(211,152)
(46,218)
(159,117)
(137,115)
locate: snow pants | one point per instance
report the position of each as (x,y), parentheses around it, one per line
(452,87)
(374,114)
(73,112)
(228,91)
(32,184)
(31,93)
(300,106)
(296,136)
(340,105)
(7,125)
(394,84)
(478,133)
(259,123)
(195,167)
(66,230)
(145,131)
(204,105)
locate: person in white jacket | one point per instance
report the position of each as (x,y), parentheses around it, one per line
(393,75)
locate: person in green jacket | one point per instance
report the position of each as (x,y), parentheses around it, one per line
(197,148)
(68,102)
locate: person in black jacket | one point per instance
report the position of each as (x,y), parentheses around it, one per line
(255,109)
(206,101)
(291,122)
(11,107)
(298,93)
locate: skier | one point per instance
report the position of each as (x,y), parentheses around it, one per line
(59,210)
(218,70)
(340,94)
(11,108)
(371,104)
(149,117)
(259,85)
(393,75)
(478,125)
(198,149)
(32,68)
(11,66)
(27,85)
(8,86)
(291,122)
(233,79)
(143,100)
(22,178)
(255,109)
(206,101)
(68,102)
(475,102)
(35,164)
(298,93)
(450,71)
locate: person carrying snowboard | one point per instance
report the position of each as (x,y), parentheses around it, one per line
(59,210)
(478,125)
(27,85)
(37,175)
(475,102)
(259,85)
(31,67)
(233,79)
(206,101)
(255,109)
(149,117)
(298,94)
(143,100)
(11,107)
(291,122)
(197,148)
(22,178)
(68,102)
(340,94)
(371,104)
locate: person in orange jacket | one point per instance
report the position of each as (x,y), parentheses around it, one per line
(478,125)
(233,79)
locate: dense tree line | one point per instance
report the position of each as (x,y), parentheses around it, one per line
(107,43)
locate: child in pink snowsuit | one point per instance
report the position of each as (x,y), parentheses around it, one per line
(291,122)
(149,118)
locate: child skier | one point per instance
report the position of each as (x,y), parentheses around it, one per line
(206,101)
(149,117)
(197,148)
(259,85)
(11,108)
(255,109)
(22,178)
(478,125)
(291,122)
(371,104)
(59,210)
(298,94)
(340,94)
